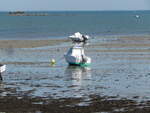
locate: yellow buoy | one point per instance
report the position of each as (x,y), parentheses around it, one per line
(53,62)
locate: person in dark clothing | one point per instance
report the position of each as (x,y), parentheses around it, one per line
(1,77)
(84,38)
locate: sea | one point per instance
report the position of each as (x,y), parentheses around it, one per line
(60,24)
(117,81)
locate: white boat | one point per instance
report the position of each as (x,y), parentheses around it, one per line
(75,55)
(137,16)
(2,68)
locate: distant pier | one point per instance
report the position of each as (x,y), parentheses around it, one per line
(21,13)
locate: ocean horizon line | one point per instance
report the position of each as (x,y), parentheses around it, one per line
(73,10)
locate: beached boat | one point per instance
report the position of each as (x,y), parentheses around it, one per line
(2,69)
(76,55)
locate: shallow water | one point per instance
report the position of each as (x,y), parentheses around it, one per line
(117,71)
(59,24)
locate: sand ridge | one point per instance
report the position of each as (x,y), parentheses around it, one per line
(29,43)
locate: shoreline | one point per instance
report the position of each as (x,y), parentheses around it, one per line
(126,42)
(31,84)
(30,43)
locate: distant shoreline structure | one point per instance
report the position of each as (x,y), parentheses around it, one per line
(22,13)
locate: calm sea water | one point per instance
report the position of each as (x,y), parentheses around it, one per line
(62,24)
(120,68)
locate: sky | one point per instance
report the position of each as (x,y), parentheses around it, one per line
(58,5)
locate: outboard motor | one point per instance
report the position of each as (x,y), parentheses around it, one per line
(78,37)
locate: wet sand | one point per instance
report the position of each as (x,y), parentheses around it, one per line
(117,81)
(70,105)
(29,43)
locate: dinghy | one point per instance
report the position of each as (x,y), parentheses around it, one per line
(76,55)
(2,69)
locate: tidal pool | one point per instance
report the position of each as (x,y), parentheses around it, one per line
(119,78)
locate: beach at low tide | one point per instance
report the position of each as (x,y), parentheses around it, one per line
(117,81)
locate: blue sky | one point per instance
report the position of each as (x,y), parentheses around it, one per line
(28,5)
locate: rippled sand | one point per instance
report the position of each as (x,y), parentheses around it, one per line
(29,43)
(117,81)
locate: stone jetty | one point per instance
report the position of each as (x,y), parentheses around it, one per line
(21,13)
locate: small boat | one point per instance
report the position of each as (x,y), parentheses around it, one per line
(2,68)
(76,55)
(137,16)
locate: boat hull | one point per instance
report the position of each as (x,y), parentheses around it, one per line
(80,64)
(75,56)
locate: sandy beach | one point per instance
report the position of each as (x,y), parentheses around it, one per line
(29,43)
(117,81)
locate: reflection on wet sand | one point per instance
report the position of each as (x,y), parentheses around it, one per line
(79,77)
(2,92)
(77,73)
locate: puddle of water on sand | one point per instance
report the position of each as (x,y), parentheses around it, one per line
(118,74)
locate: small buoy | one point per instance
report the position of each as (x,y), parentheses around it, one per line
(53,62)
(137,16)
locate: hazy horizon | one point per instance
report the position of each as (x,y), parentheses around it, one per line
(69,5)
(69,10)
